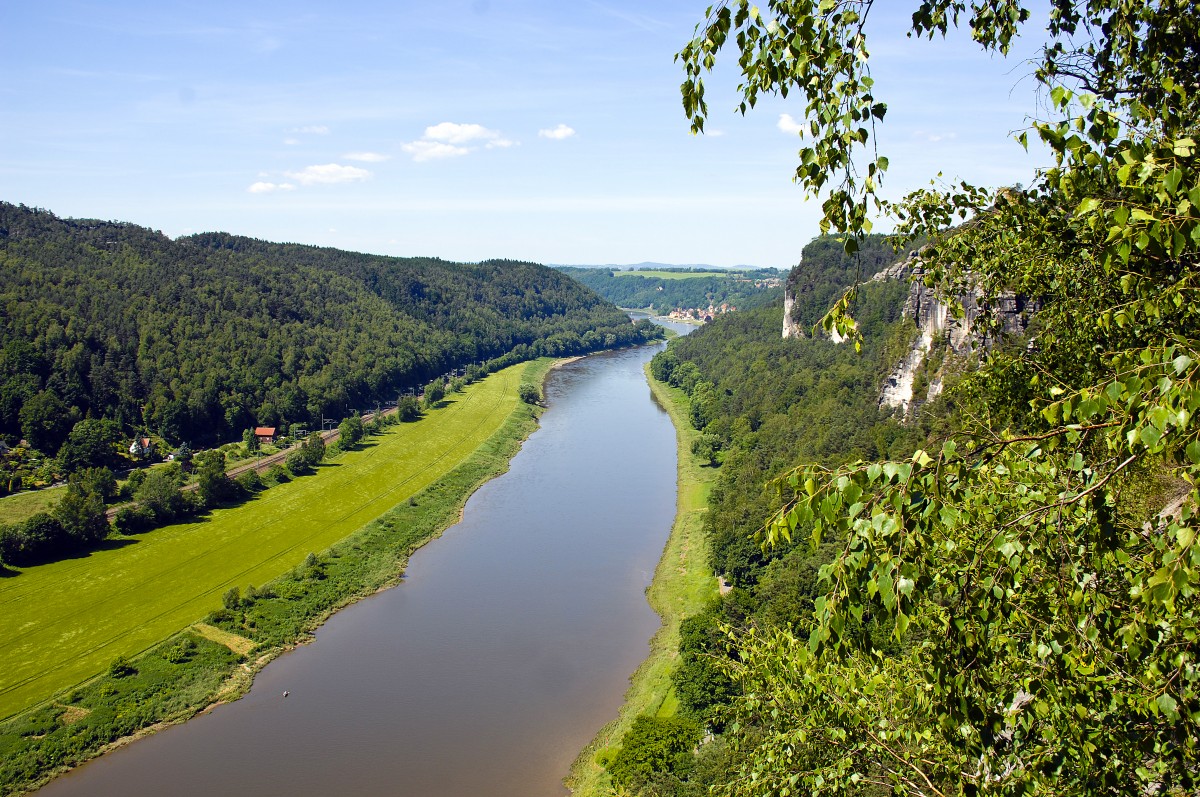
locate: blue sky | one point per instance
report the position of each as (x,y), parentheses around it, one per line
(545,131)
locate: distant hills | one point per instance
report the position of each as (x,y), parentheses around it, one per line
(200,337)
(652,266)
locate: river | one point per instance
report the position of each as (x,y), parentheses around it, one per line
(506,647)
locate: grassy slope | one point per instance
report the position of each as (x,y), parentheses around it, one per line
(19,507)
(682,585)
(109,710)
(137,591)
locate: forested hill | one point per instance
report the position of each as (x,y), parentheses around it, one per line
(198,338)
(666,290)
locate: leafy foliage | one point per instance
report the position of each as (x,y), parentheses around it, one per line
(1036,572)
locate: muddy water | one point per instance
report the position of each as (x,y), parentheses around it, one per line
(507,646)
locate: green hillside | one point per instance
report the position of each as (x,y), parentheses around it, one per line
(666,290)
(198,338)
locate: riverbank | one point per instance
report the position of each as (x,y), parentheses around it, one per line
(216,662)
(682,585)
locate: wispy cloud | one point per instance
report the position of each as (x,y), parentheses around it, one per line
(933,138)
(557,133)
(328,173)
(789,125)
(314,130)
(367,157)
(269,188)
(291,142)
(451,140)
(424,150)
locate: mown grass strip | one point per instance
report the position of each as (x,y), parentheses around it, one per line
(63,622)
(180,676)
(235,642)
(683,584)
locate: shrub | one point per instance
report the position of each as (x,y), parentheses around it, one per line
(408,409)
(529,394)
(121,668)
(297,463)
(250,481)
(133,520)
(276,475)
(654,744)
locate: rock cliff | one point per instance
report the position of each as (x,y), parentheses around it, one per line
(942,337)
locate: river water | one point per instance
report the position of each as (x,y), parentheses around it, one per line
(507,646)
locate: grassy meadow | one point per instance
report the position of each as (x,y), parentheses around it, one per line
(16,508)
(64,622)
(683,584)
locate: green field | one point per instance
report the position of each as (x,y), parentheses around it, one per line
(64,622)
(677,275)
(19,507)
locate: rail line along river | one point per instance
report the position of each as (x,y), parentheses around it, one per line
(507,646)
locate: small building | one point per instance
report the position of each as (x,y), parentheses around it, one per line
(265,434)
(140,447)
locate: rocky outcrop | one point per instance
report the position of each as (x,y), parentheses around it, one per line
(791,329)
(914,380)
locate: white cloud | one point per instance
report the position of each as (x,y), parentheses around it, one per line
(262,187)
(449,140)
(316,130)
(789,125)
(433,150)
(328,173)
(291,142)
(557,133)
(459,134)
(367,157)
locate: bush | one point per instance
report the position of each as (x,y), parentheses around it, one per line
(276,475)
(297,463)
(435,391)
(529,394)
(133,520)
(408,409)
(180,653)
(654,744)
(350,431)
(121,668)
(250,481)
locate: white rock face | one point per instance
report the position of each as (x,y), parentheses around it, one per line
(935,322)
(790,328)
(898,389)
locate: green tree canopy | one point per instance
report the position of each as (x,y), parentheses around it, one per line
(92,443)
(1039,569)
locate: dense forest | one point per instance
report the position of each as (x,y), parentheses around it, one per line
(764,403)
(741,289)
(825,272)
(197,339)
(1009,609)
